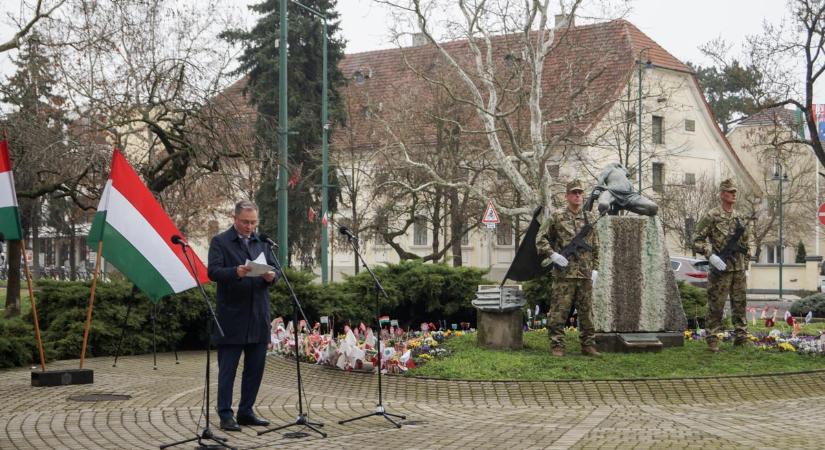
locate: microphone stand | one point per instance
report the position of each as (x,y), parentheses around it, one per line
(302,419)
(206,434)
(379,408)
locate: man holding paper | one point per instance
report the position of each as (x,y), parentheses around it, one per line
(240,263)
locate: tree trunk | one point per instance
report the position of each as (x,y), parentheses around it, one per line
(72,250)
(35,239)
(13,285)
(456,227)
(354,221)
(436,222)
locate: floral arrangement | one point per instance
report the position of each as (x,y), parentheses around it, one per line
(356,348)
(774,340)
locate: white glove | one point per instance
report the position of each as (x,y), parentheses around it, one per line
(594,276)
(718,263)
(747,274)
(560,260)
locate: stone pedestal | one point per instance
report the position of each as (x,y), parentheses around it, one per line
(500,330)
(636,291)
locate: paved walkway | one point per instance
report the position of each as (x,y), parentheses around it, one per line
(781,412)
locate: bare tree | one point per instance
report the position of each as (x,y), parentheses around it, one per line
(151,77)
(772,144)
(681,206)
(778,53)
(498,52)
(40,12)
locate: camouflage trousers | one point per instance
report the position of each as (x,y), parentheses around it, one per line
(567,293)
(720,286)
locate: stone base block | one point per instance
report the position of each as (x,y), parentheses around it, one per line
(638,342)
(500,330)
(62,377)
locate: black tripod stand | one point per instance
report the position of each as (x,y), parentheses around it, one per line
(379,408)
(206,434)
(302,419)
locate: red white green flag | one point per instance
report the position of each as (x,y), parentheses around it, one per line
(9,214)
(136,235)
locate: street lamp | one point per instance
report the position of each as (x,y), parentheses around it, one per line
(283,133)
(283,139)
(324,146)
(647,64)
(781,177)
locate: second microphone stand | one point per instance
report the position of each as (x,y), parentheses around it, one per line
(206,434)
(302,419)
(378,289)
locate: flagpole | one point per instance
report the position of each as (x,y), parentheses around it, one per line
(91,303)
(34,306)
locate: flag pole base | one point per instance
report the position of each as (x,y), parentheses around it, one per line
(62,377)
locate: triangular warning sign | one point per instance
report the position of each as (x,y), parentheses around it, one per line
(490,214)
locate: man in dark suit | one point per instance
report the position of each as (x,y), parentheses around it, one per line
(243,312)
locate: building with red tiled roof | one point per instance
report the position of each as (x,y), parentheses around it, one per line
(761,141)
(589,111)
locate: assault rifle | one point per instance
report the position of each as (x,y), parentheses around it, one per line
(576,245)
(732,246)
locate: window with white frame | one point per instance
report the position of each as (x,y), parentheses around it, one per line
(420,230)
(504,232)
(658,177)
(658,130)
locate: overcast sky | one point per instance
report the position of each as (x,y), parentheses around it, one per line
(678,26)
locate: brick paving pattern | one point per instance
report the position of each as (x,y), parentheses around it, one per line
(775,411)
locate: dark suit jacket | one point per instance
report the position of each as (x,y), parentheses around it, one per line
(243,303)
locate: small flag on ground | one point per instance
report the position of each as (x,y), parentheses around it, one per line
(9,214)
(136,235)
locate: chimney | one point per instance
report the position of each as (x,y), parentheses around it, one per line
(419,39)
(564,20)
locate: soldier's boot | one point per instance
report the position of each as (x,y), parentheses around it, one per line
(713,346)
(557,352)
(589,350)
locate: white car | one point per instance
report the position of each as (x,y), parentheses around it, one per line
(687,270)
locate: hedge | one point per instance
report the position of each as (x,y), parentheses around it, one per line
(814,303)
(418,292)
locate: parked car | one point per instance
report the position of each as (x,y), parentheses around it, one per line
(690,270)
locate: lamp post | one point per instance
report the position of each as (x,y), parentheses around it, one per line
(283,134)
(647,64)
(283,139)
(324,145)
(781,177)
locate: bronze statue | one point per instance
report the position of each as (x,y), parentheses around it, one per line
(614,192)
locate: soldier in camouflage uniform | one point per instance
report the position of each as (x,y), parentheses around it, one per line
(728,277)
(572,279)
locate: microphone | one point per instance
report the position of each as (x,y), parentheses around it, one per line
(347,232)
(177,240)
(266,239)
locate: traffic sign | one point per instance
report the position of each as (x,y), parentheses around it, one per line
(821,214)
(490,214)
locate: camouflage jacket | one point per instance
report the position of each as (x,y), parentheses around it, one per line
(712,234)
(557,231)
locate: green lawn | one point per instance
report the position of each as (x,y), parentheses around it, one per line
(468,361)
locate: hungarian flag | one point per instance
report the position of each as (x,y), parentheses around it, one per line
(136,235)
(9,215)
